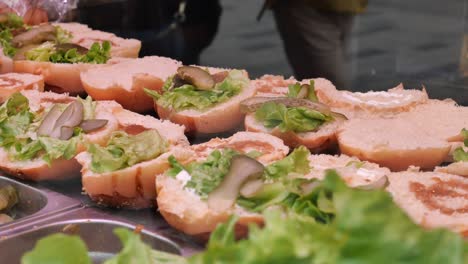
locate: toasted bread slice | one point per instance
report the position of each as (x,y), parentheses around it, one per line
(132,187)
(432,199)
(125,80)
(37,169)
(316,141)
(394,143)
(357,104)
(355,173)
(186,211)
(222,117)
(15,82)
(59,77)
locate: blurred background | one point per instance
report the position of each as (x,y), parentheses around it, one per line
(384,42)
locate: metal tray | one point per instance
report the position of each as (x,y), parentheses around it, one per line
(96,233)
(34,203)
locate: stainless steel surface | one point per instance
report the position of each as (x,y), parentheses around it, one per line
(34,203)
(96,233)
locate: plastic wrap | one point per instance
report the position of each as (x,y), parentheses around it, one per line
(56,9)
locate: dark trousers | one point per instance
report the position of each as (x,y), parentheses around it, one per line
(315,41)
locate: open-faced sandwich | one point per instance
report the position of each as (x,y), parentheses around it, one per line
(421,137)
(11,83)
(124,81)
(122,172)
(246,175)
(201,189)
(432,199)
(298,118)
(84,36)
(42,132)
(204,100)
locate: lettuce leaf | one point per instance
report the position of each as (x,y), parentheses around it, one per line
(125,150)
(97,54)
(208,174)
(296,162)
(460,154)
(13,21)
(296,119)
(367,228)
(188,97)
(58,249)
(5,43)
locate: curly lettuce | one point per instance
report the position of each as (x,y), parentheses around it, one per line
(460,154)
(296,119)
(188,97)
(123,150)
(97,54)
(294,89)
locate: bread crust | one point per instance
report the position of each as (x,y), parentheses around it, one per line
(64,77)
(223,117)
(132,187)
(11,83)
(130,94)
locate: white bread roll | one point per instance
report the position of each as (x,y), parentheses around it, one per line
(37,169)
(6,63)
(124,81)
(357,104)
(132,187)
(60,77)
(394,143)
(11,83)
(354,172)
(432,199)
(185,211)
(223,117)
(316,141)
(442,119)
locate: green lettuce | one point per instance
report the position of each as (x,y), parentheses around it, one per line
(205,175)
(97,54)
(188,97)
(13,22)
(459,154)
(125,150)
(296,119)
(296,162)
(58,249)
(367,228)
(18,124)
(293,91)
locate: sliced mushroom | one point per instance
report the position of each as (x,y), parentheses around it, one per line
(220,76)
(243,168)
(71,116)
(93,124)
(177,82)
(66,133)
(48,124)
(303,92)
(35,35)
(20,53)
(251,188)
(68,46)
(199,78)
